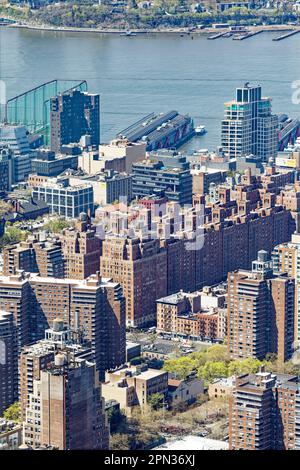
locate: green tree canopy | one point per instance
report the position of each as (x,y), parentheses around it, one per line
(13,413)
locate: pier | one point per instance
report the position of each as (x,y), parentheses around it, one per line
(287,35)
(218,35)
(241,37)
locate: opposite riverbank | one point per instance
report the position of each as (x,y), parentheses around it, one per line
(206,31)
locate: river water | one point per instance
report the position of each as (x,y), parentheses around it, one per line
(138,75)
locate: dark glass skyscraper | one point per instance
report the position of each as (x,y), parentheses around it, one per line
(72,115)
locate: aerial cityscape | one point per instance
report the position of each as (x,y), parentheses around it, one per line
(149,228)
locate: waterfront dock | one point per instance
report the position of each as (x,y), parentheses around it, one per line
(286,35)
(218,35)
(241,37)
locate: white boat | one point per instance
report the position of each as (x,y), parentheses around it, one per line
(128,33)
(200,130)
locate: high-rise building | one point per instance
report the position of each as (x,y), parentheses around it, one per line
(33,256)
(94,305)
(260,312)
(249,127)
(166,172)
(264,412)
(81,250)
(36,357)
(140,266)
(286,259)
(15,297)
(72,115)
(66,409)
(8,361)
(5,169)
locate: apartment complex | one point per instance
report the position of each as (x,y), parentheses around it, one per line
(249,127)
(36,357)
(94,305)
(197,247)
(81,250)
(264,412)
(45,258)
(8,361)
(72,254)
(72,115)
(261,312)
(66,409)
(190,314)
(140,266)
(286,259)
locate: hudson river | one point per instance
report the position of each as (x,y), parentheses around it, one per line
(138,75)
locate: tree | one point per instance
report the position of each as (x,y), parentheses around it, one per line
(155,400)
(13,413)
(181,367)
(13,235)
(212,370)
(57,225)
(120,442)
(4,208)
(218,352)
(244,366)
(117,420)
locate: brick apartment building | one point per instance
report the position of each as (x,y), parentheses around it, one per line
(261,312)
(94,305)
(8,361)
(264,412)
(232,231)
(66,409)
(190,314)
(141,267)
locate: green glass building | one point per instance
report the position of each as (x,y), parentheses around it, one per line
(32,108)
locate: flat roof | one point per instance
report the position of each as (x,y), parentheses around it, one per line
(194,443)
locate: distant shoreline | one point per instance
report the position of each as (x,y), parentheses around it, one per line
(183,31)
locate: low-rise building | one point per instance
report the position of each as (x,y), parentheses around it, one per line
(133,386)
(10,435)
(47,163)
(221,388)
(65,200)
(184,391)
(197,314)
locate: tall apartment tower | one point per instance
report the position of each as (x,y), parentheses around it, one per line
(35,357)
(286,259)
(95,306)
(72,115)
(67,406)
(260,312)
(8,361)
(15,297)
(249,127)
(264,412)
(140,266)
(81,251)
(44,258)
